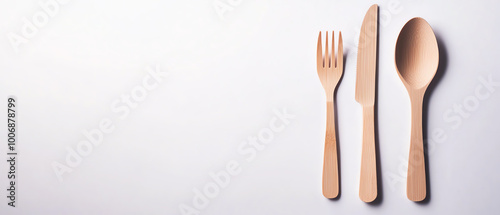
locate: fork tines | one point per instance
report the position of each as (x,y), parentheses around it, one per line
(330,62)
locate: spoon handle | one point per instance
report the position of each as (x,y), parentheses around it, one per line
(416,185)
(368,176)
(330,166)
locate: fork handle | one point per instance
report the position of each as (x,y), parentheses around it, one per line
(330,166)
(368,176)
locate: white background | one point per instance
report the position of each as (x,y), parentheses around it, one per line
(228,72)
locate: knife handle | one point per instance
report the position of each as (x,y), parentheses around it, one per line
(368,176)
(330,164)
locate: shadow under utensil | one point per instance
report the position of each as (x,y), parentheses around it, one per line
(336,131)
(443,63)
(380,190)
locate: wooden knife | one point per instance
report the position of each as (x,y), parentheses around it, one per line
(365,95)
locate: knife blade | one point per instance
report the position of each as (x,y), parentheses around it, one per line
(367,56)
(365,95)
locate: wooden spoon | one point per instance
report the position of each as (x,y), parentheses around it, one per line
(417,59)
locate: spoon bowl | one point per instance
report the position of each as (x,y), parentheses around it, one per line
(417,54)
(417,59)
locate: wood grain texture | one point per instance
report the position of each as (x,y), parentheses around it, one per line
(367,56)
(416,189)
(365,95)
(330,70)
(330,164)
(417,59)
(368,176)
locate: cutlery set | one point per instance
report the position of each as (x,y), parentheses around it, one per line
(416,59)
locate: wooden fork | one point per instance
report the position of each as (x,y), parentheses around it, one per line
(330,71)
